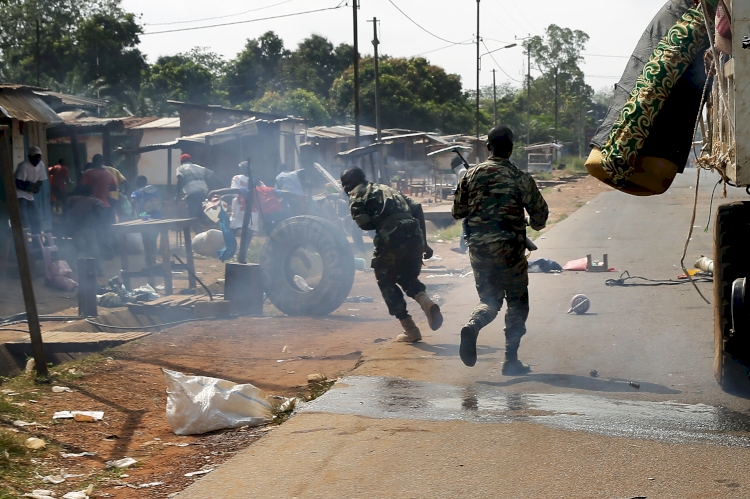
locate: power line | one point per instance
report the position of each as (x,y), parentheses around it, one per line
(497,21)
(421,27)
(445,47)
(241,22)
(524,17)
(219,17)
(495,40)
(498,65)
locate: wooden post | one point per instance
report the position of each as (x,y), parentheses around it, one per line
(87,287)
(189,257)
(106,147)
(27,286)
(76,159)
(247,235)
(166,261)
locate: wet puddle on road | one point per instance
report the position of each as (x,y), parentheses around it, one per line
(380,397)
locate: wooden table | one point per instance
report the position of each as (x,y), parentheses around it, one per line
(164,269)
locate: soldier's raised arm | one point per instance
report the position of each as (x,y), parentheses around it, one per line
(535,205)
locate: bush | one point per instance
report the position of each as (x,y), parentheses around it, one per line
(574,164)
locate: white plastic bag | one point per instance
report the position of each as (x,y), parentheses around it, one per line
(208,243)
(199,404)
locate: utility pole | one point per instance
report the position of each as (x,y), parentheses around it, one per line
(38,55)
(528,96)
(494,98)
(375,43)
(356,76)
(479,62)
(557,95)
(528,88)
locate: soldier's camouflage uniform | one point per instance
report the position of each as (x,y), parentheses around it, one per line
(493,196)
(397,259)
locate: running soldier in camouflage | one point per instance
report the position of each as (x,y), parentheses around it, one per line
(492,196)
(400,245)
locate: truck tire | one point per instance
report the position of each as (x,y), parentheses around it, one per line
(301,244)
(731,262)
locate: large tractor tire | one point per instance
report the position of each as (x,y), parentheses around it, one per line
(731,262)
(308,266)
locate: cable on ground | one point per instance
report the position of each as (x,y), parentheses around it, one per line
(625,278)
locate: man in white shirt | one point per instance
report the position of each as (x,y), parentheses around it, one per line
(241,182)
(191,180)
(29,177)
(289,181)
(290,184)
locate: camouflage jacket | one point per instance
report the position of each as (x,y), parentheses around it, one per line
(384,209)
(493,195)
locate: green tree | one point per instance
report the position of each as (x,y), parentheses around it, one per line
(256,69)
(189,77)
(414,95)
(560,96)
(108,54)
(85,45)
(298,102)
(316,64)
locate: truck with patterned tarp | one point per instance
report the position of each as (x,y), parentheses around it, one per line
(686,90)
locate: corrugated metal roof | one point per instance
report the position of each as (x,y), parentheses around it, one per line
(160,123)
(73,100)
(221,135)
(536,147)
(339,131)
(23,105)
(72,115)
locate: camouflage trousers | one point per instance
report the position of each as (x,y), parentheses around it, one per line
(397,268)
(500,272)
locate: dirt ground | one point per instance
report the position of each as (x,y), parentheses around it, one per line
(274,353)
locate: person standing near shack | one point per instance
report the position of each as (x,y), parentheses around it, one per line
(102,183)
(400,245)
(191,181)
(59,175)
(85,216)
(493,196)
(121,185)
(29,177)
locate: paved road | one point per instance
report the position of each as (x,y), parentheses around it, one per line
(412,421)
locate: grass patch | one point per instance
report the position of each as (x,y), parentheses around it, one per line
(15,466)
(562,217)
(579,205)
(574,164)
(532,234)
(543,176)
(448,233)
(7,407)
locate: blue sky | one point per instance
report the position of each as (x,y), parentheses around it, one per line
(614,28)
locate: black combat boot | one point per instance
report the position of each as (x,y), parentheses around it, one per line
(512,366)
(468,348)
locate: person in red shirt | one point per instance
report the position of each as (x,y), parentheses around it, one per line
(265,202)
(58,180)
(102,183)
